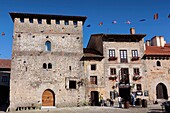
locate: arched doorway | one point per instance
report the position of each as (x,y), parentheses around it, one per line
(161,91)
(48,98)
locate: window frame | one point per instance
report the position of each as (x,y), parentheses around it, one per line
(136,71)
(123,56)
(112,71)
(73,86)
(112,53)
(93,67)
(135,53)
(93,80)
(47,45)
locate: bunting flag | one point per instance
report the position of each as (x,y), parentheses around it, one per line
(114,22)
(156,16)
(143,20)
(3,34)
(169,16)
(128,22)
(88,25)
(101,23)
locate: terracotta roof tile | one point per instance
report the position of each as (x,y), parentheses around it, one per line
(155,50)
(4,63)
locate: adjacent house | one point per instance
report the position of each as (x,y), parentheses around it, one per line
(5,69)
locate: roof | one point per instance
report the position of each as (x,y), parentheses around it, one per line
(4,63)
(91,53)
(46,16)
(155,50)
(139,36)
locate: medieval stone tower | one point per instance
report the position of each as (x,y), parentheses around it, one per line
(46,69)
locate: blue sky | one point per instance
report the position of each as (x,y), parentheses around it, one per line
(96,11)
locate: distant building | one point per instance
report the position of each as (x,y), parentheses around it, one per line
(5,69)
(157,69)
(116,68)
(45,68)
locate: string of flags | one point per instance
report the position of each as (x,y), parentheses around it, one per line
(155,17)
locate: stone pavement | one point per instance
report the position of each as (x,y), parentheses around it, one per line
(94,109)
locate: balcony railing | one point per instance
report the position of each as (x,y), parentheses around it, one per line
(112,58)
(113,77)
(135,58)
(137,77)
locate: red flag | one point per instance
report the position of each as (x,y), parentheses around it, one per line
(101,23)
(156,16)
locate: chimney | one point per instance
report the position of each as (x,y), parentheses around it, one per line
(132,31)
(148,42)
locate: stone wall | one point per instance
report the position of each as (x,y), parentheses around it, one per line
(28,77)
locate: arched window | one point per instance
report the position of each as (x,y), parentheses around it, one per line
(48,46)
(45,66)
(158,63)
(49,66)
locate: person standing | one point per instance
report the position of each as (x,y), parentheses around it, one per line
(120,101)
(133,99)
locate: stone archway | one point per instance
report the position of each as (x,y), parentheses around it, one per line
(161,91)
(48,98)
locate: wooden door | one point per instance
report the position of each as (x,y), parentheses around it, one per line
(48,98)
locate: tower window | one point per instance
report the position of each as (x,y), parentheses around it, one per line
(44,66)
(49,66)
(158,63)
(72,84)
(48,46)
(93,66)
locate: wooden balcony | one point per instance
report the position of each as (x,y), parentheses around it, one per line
(112,58)
(135,58)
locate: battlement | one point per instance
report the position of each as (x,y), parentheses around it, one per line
(48,19)
(50,24)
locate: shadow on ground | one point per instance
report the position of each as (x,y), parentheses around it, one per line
(156,111)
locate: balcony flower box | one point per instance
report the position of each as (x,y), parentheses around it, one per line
(114,77)
(112,58)
(135,58)
(137,77)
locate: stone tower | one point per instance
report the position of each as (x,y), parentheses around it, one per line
(46,69)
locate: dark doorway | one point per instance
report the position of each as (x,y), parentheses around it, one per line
(124,93)
(161,91)
(94,98)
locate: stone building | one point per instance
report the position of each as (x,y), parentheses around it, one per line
(5,68)
(157,69)
(46,66)
(116,68)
